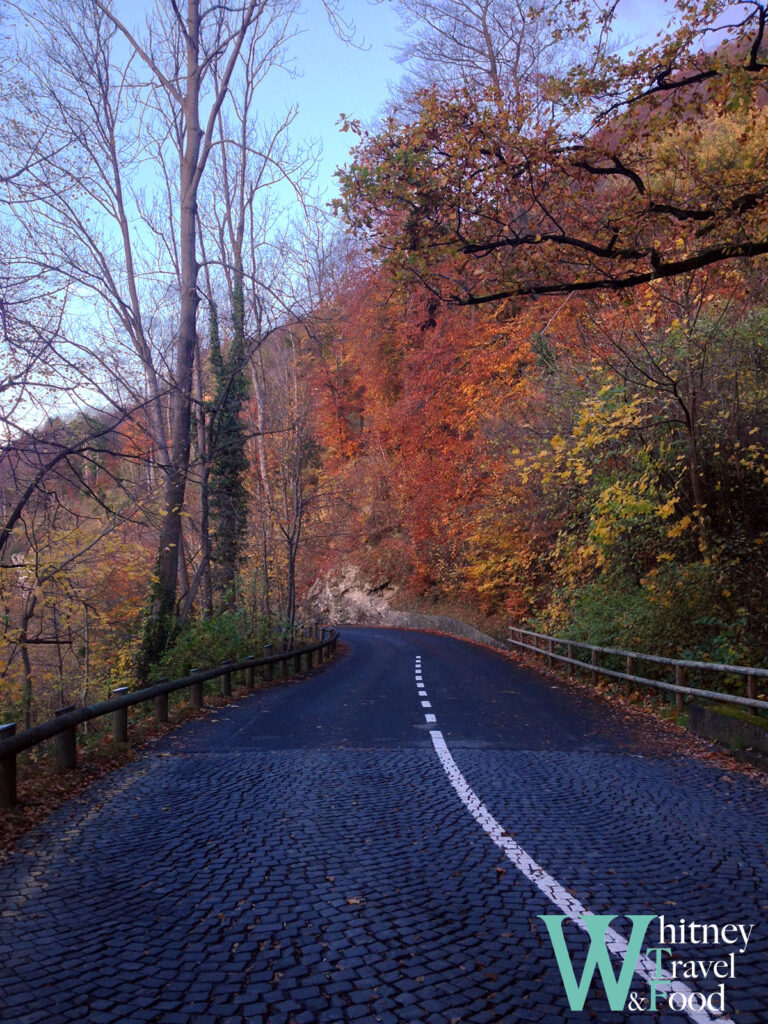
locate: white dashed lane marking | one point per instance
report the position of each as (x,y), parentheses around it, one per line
(430,719)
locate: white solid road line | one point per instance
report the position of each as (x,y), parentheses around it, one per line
(564,900)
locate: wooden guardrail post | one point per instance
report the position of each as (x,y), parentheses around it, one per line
(120,719)
(681,679)
(550,649)
(594,667)
(196,690)
(226,680)
(8,794)
(269,670)
(66,743)
(284,661)
(630,672)
(752,687)
(161,704)
(250,680)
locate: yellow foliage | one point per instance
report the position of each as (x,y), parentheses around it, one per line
(679,528)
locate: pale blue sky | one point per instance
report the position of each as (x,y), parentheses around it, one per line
(336,77)
(339,78)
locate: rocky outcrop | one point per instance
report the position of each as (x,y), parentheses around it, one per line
(349,599)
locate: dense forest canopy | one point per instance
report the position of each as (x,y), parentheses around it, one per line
(518,368)
(619,173)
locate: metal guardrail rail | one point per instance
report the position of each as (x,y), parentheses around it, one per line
(64,726)
(544,644)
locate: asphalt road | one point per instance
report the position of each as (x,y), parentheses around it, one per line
(375,844)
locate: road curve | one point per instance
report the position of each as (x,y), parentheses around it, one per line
(375,844)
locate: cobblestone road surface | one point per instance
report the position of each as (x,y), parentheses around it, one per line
(303,857)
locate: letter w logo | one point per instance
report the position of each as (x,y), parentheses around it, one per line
(596,925)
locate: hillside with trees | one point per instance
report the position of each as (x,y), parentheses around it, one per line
(516,370)
(561,355)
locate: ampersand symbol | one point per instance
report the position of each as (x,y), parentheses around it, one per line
(636,1002)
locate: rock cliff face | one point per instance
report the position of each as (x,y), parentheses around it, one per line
(348,598)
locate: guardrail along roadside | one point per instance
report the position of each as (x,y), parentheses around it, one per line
(63,727)
(545,645)
(750,731)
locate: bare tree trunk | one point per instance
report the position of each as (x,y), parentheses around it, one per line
(86,657)
(197,147)
(183,575)
(162,606)
(694,471)
(202,577)
(26,691)
(59,658)
(267,510)
(290,586)
(259,390)
(203,448)
(265,570)
(698,492)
